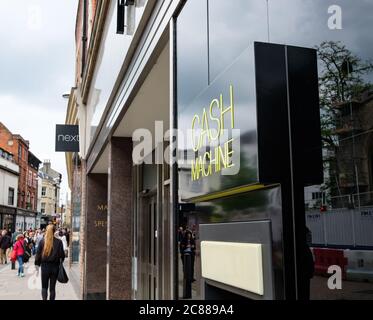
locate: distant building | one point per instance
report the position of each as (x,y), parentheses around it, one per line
(9,174)
(50,192)
(28,163)
(19,147)
(38,217)
(354,156)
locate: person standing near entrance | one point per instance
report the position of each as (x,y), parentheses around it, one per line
(48,257)
(18,247)
(188,248)
(5,244)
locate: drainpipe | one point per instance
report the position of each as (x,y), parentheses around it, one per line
(84,37)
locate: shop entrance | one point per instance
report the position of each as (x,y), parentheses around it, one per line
(149,241)
(152,261)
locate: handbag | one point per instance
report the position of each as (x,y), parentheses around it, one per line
(13,256)
(62,276)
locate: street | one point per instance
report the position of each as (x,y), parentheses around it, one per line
(29,287)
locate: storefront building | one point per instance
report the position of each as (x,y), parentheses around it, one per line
(9,175)
(244,86)
(22,194)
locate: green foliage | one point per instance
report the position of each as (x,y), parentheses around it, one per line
(340,81)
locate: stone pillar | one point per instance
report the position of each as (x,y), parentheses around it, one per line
(96,237)
(82,230)
(119,273)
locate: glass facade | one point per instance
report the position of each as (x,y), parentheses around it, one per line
(212,39)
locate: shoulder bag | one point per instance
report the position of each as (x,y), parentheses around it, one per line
(62,276)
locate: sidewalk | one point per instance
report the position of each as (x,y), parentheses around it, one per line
(29,287)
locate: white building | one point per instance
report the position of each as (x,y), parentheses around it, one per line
(9,172)
(9,175)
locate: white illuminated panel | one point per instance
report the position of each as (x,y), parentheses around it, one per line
(236,264)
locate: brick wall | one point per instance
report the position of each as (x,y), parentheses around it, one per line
(5,137)
(91,12)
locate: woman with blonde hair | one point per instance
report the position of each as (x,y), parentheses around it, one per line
(49,255)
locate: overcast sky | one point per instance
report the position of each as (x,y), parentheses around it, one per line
(36,67)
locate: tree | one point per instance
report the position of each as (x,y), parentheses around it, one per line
(341,81)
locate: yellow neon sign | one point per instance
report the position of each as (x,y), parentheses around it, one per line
(212,161)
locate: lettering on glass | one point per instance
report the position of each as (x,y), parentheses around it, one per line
(207,130)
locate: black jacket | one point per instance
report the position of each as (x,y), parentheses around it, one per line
(188,245)
(56,255)
(5,242)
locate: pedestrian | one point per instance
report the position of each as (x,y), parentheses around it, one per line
(67,235)
(28,252)
(30,240)
(188,247)
(18,247)
(15,234)
(5,244)
(39,237)
(48,257)
(60,235)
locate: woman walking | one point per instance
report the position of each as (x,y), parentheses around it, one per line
(48,256)
(5,244)
(19,252)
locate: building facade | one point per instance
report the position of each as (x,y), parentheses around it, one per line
(19,147)
(9,175)
(28,163)
(188,65)
(50,193)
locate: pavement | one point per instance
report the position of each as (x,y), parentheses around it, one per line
(29,287)
(351,290)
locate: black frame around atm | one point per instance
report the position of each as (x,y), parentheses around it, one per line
(289,143)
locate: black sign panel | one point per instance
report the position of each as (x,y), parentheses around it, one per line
(67,138)
(288,98)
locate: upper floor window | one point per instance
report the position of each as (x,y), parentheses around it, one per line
(43,191)
(35,180)
(317,195)
(11,197)
(31,205)
(19,152)
(28,201)
(30,179)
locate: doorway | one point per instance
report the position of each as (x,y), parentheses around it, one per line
(149,243)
